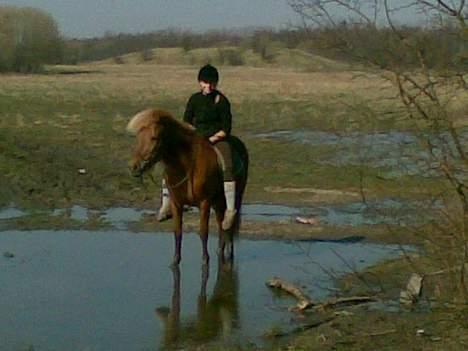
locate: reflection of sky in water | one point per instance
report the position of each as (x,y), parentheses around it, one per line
(119,217)
(10,213)
(70,290)
(268,212)
(386,211)
(401,152)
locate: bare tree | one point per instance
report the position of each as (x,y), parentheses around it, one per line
(427,95)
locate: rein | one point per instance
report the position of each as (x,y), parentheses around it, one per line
(168,185)
(186,178)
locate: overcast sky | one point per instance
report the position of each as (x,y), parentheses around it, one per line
(91,18)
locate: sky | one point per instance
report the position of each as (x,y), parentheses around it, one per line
(91,18)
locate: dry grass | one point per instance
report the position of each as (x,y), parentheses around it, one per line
(239,83)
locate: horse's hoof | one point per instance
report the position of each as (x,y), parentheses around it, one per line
(206,260)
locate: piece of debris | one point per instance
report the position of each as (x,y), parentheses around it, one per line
(300,329)
(413,290)
(420,332)
(304,301)
(381,333)
(304,220)
(82,171)
(340,301)
(8,254)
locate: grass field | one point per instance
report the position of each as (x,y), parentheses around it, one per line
(55,124)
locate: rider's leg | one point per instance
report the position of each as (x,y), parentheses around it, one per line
(165,209)
(229,185)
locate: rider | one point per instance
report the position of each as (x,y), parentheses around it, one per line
(209,111)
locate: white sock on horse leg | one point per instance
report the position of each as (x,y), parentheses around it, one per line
(230,194)
(164,195)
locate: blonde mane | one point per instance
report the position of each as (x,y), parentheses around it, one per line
(140,120)
(149,117)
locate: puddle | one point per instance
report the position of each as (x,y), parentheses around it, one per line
(120,217)
(312,137)
(269,213)
(10,213)
(81,290)
(76,213)
(399,152)
(387,211)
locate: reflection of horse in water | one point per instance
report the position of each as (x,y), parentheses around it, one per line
(192,172)
(217,316)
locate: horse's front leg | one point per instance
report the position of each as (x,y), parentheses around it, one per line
(204,227)
(177,216)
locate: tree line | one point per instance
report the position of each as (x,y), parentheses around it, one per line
(441,46)
(29,38)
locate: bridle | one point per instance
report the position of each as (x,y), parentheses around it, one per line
(155,157)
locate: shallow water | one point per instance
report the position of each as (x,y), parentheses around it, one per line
(79,290)
(401,153)
(385,211)
(10,213)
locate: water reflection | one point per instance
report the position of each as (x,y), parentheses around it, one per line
(112,290)
(216,318)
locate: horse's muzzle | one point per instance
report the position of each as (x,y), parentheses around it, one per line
(136,172)
(138,168)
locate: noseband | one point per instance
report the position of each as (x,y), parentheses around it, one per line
(155,157)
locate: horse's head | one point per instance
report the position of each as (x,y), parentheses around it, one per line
(148,127)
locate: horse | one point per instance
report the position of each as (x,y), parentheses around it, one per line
(192,172)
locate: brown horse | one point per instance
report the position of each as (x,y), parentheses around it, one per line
(192,172)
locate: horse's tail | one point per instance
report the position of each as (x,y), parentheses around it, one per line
(240,167)
(241,173)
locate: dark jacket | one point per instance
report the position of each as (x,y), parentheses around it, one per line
(209,113)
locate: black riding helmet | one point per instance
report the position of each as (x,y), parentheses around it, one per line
(209,74)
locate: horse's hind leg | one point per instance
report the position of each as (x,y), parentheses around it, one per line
(204,227)
(221,239)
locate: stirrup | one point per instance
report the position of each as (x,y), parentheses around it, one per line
(229,217)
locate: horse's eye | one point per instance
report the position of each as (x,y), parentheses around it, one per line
(154,138)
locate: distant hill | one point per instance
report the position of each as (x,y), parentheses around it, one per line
(232,56)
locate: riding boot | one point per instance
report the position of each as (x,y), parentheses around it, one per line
(165,209)
(230,213)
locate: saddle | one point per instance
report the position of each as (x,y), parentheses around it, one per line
(237,161)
